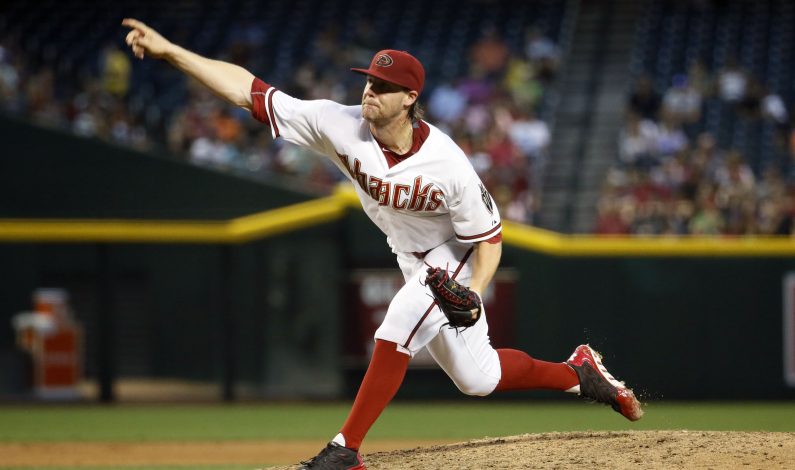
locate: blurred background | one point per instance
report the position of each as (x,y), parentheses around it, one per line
(596,118)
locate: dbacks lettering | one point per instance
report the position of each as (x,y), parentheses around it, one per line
(417,197)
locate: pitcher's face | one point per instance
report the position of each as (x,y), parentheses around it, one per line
(383,101)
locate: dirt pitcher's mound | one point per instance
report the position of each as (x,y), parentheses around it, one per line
(614,450)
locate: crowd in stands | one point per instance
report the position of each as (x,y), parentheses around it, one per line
(672,175)
(95,106)
(492,110)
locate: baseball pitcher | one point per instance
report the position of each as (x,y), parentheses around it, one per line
(419,188)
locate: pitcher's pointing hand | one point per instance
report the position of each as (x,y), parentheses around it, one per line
(145,40)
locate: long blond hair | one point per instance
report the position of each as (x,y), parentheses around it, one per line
(416,111)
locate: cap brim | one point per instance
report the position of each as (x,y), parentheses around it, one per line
(381,76)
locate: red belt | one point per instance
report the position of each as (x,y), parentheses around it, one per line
(420,255)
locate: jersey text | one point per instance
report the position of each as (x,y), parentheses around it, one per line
(417,197)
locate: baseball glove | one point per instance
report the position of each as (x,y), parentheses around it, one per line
(461,305)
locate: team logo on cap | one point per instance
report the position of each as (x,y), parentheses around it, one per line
(486,197)
(383,61)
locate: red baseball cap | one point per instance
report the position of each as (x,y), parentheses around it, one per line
(398,67)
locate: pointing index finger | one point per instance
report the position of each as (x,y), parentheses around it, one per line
(133,23)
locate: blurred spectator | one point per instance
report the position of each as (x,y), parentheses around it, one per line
(9,77)
(671,137)
(638,141)
(193,121)
(698,77)
(650,217)
(682,102)
(116,67)
(226,127)
(706,156)
(735,178)
(707,220)
(521,83)
(476,87)
(501,149)
(529,134)
(771,185)
(543,53)
(609,219)
(481,160)
(644,101)
(771,216)
(773,108)
(643,188)
(446,103)
(478,119)
(40,97)
(88,122)
(749,106)
(489,53)
(672,173)
(732,82)
(514,205)
(209,151)
(681,214)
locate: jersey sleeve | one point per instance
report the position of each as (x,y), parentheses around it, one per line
(474,214)
(296,121)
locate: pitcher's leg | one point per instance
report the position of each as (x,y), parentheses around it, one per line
(522,372)
(468,358)
(478,369)
(381,381)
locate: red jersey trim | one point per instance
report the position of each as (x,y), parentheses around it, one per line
(262,104)
(274,127)
(485,234)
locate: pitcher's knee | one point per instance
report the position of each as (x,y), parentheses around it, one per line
(479,388)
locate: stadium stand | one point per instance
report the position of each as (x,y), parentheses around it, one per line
(715,84)
(62,65)
(707,144)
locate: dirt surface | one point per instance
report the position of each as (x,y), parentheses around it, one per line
(117,454)
(614,450)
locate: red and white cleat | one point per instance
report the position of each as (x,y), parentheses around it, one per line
(597,384)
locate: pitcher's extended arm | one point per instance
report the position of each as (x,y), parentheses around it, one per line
(229,81)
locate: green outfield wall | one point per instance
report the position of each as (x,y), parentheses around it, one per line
(262,312)
(50,174)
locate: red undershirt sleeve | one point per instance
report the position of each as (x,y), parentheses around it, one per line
(495,239)
(259,94)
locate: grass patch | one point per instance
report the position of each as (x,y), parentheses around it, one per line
(460,420)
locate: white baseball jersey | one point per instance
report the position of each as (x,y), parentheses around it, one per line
(419,202)
(432,206)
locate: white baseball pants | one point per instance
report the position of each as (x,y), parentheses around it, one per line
(413,321)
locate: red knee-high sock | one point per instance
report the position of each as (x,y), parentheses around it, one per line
(382,380)
(522,372)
